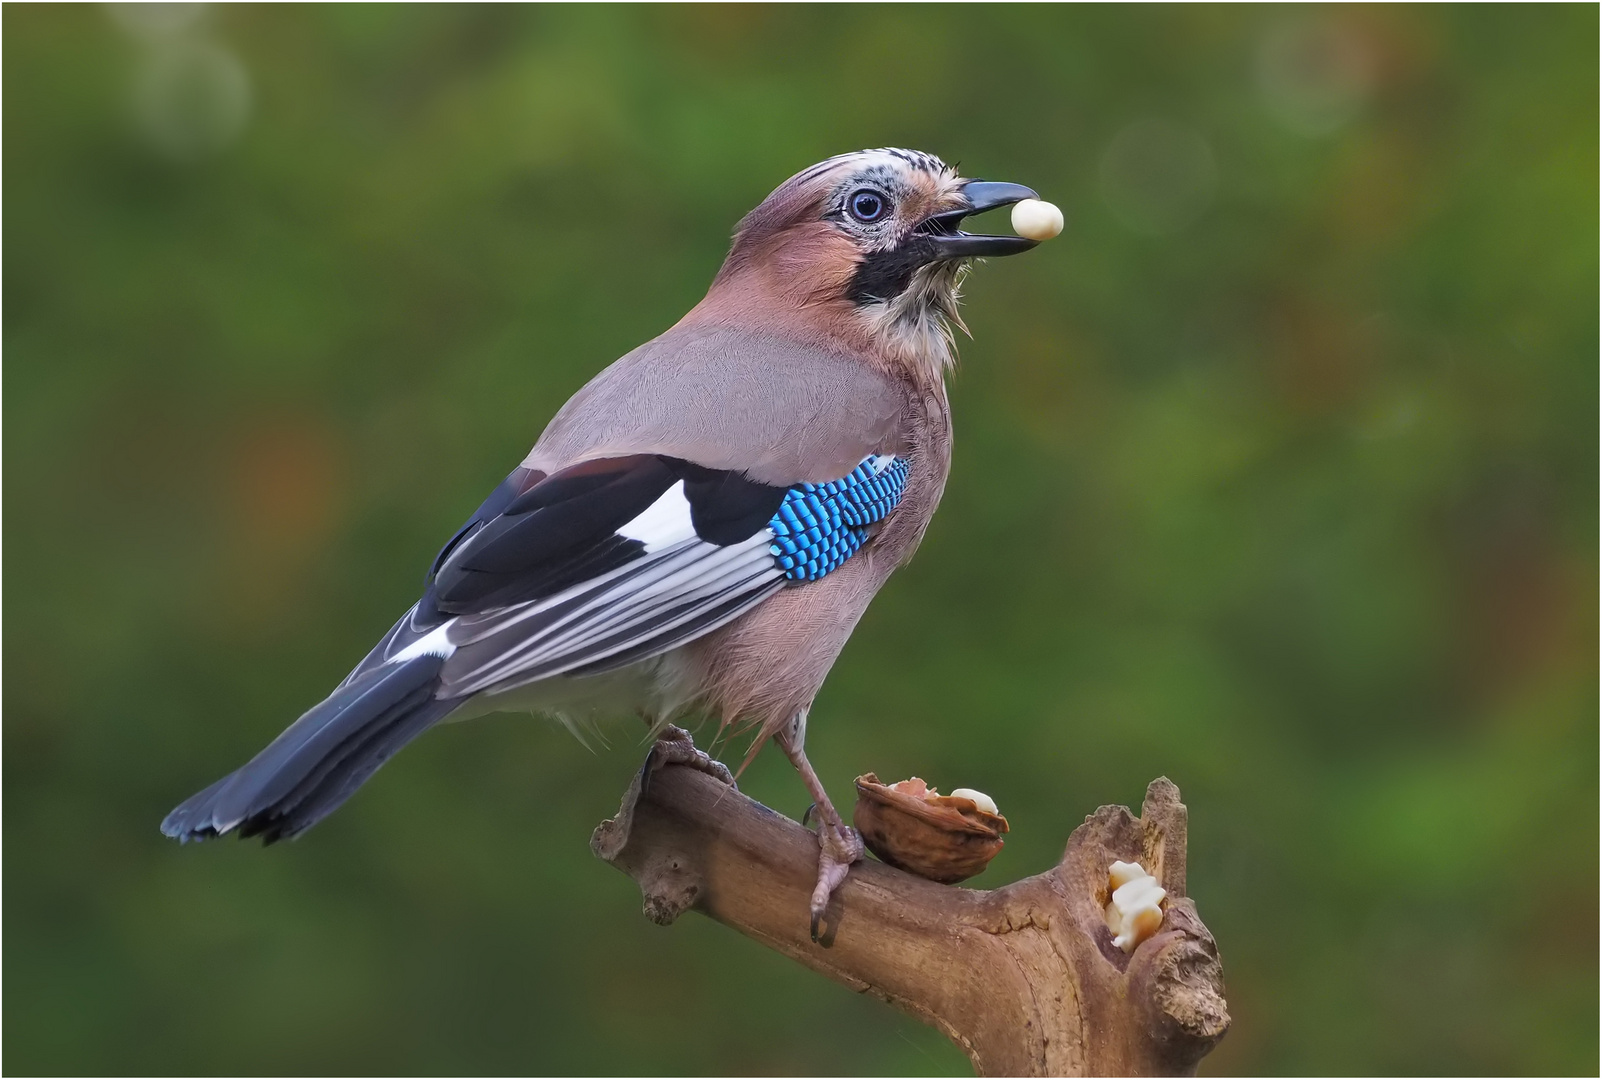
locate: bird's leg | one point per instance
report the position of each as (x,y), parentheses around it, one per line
(675,747)
(838,843)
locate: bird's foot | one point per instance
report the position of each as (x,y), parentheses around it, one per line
(838,847)
(675,747)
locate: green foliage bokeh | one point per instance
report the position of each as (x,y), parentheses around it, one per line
(1276,474)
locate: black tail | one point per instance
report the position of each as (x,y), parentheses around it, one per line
(321,759)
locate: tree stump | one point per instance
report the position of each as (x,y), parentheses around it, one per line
(1024,978)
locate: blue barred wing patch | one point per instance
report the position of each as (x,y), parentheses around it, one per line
(820,526)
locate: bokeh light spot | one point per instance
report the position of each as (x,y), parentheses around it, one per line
(1314,75)
(191,99)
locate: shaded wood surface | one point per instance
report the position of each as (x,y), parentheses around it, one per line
(1024,978)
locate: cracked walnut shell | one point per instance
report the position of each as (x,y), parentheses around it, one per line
(911,826)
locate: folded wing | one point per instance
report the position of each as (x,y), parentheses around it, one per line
(619,559)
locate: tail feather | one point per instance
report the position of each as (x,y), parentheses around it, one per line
(352,771)
(321,759)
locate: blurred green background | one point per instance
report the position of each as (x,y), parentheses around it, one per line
(1276,474)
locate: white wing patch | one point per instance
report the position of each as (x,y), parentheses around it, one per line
(436,643)
(664,523)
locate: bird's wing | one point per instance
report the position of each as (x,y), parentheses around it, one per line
(774,409)
(618,559)
(647,512)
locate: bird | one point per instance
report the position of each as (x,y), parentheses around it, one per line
(701,526)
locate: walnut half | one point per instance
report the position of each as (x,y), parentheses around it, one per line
(911,826)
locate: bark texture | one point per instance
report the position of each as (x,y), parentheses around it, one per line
(1024,978)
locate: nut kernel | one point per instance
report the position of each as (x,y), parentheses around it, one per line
(1134,913)
(1036,219)
(980,799)
(1122,872)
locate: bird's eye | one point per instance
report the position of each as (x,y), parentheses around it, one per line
(868,205)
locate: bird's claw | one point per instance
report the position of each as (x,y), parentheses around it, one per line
(675,747)
(838,847)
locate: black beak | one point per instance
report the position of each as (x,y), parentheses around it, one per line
(950,242)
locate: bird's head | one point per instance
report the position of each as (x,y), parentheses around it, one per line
(872,243)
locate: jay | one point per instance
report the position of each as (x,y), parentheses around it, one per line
(701,526)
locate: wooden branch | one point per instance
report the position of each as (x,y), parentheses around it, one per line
(1024,978)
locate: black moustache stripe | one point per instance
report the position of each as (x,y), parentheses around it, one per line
(885,275)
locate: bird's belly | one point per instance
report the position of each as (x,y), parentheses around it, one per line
(768,665)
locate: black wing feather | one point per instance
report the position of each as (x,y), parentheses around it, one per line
(726,507)
(563,529)
(506,492)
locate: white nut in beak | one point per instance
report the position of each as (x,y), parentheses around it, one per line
(1135,911)
(1036,219)
(980,799)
